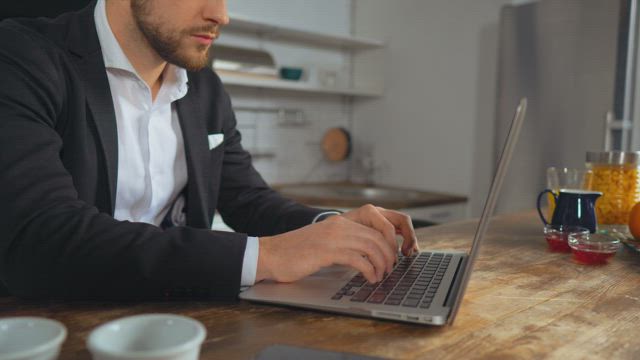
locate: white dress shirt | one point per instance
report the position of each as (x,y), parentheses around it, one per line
(152,168)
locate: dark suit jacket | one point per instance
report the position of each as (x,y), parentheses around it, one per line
(58,171)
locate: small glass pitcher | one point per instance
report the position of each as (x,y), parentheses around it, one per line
(573,208)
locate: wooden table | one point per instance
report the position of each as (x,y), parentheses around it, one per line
(522,302)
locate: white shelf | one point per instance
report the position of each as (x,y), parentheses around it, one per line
(245,24)
(231,80)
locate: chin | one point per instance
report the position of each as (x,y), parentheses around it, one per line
(193,62)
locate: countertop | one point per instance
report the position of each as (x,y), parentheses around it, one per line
(421,198)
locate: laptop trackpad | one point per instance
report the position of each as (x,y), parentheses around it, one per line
(316,287)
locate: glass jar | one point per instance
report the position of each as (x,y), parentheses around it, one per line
(615,174)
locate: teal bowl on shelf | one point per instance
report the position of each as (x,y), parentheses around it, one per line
(291,73)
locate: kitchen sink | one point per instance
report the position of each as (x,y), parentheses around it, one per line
(352,195)
(345,191)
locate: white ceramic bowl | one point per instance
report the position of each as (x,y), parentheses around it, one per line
(30,338)
(150,336)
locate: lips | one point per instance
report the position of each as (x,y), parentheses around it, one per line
(204,36)
(208,36)
(205,39)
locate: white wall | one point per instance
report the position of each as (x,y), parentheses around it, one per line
(433,129)
(328,16)
(297,150)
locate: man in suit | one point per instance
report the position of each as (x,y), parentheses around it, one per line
(117,144)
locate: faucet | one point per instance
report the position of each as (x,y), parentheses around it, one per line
(369,167)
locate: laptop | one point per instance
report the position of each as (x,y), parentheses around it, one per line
(425,288)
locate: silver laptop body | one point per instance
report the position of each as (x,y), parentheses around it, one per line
(426,288)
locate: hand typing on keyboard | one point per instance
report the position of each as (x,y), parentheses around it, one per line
(364,239)
(413,283)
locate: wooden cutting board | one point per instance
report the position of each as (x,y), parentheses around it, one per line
(336,144)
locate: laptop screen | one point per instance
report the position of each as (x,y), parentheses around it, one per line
(490,204)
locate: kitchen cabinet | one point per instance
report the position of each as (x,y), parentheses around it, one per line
(422,206)
(438,214)
(435,214)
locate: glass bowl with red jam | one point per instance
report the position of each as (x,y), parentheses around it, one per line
(593,249)
(557,236)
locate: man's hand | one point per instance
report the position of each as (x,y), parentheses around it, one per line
(389,223)
(363,239)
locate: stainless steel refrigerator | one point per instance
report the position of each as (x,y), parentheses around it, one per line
(574,60)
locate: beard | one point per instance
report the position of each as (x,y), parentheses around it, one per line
(167,41)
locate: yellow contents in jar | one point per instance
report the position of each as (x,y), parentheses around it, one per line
(619,187)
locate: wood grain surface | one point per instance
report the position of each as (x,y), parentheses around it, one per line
(523,302)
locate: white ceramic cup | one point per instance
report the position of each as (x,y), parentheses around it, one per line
(150,336)
(30,338)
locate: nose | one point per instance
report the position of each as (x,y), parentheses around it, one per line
(216,11)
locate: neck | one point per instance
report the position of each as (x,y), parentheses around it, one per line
(144,59)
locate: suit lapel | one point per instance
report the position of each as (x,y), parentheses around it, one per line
(194,132)
(83,42)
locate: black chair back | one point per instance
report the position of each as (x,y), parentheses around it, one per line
(37,8)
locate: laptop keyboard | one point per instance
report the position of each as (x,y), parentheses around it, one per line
(413,282)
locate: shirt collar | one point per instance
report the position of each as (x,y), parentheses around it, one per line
(115,58)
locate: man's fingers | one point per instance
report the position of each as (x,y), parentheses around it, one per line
(366,241)
(365,236)
(355,260)
(370,249)
(403,223)
(375,219)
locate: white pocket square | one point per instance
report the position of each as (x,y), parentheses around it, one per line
(215,140)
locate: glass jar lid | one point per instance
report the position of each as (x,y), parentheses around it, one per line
(614,157)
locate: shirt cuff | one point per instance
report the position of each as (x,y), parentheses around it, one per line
(324,215)
(250,262)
